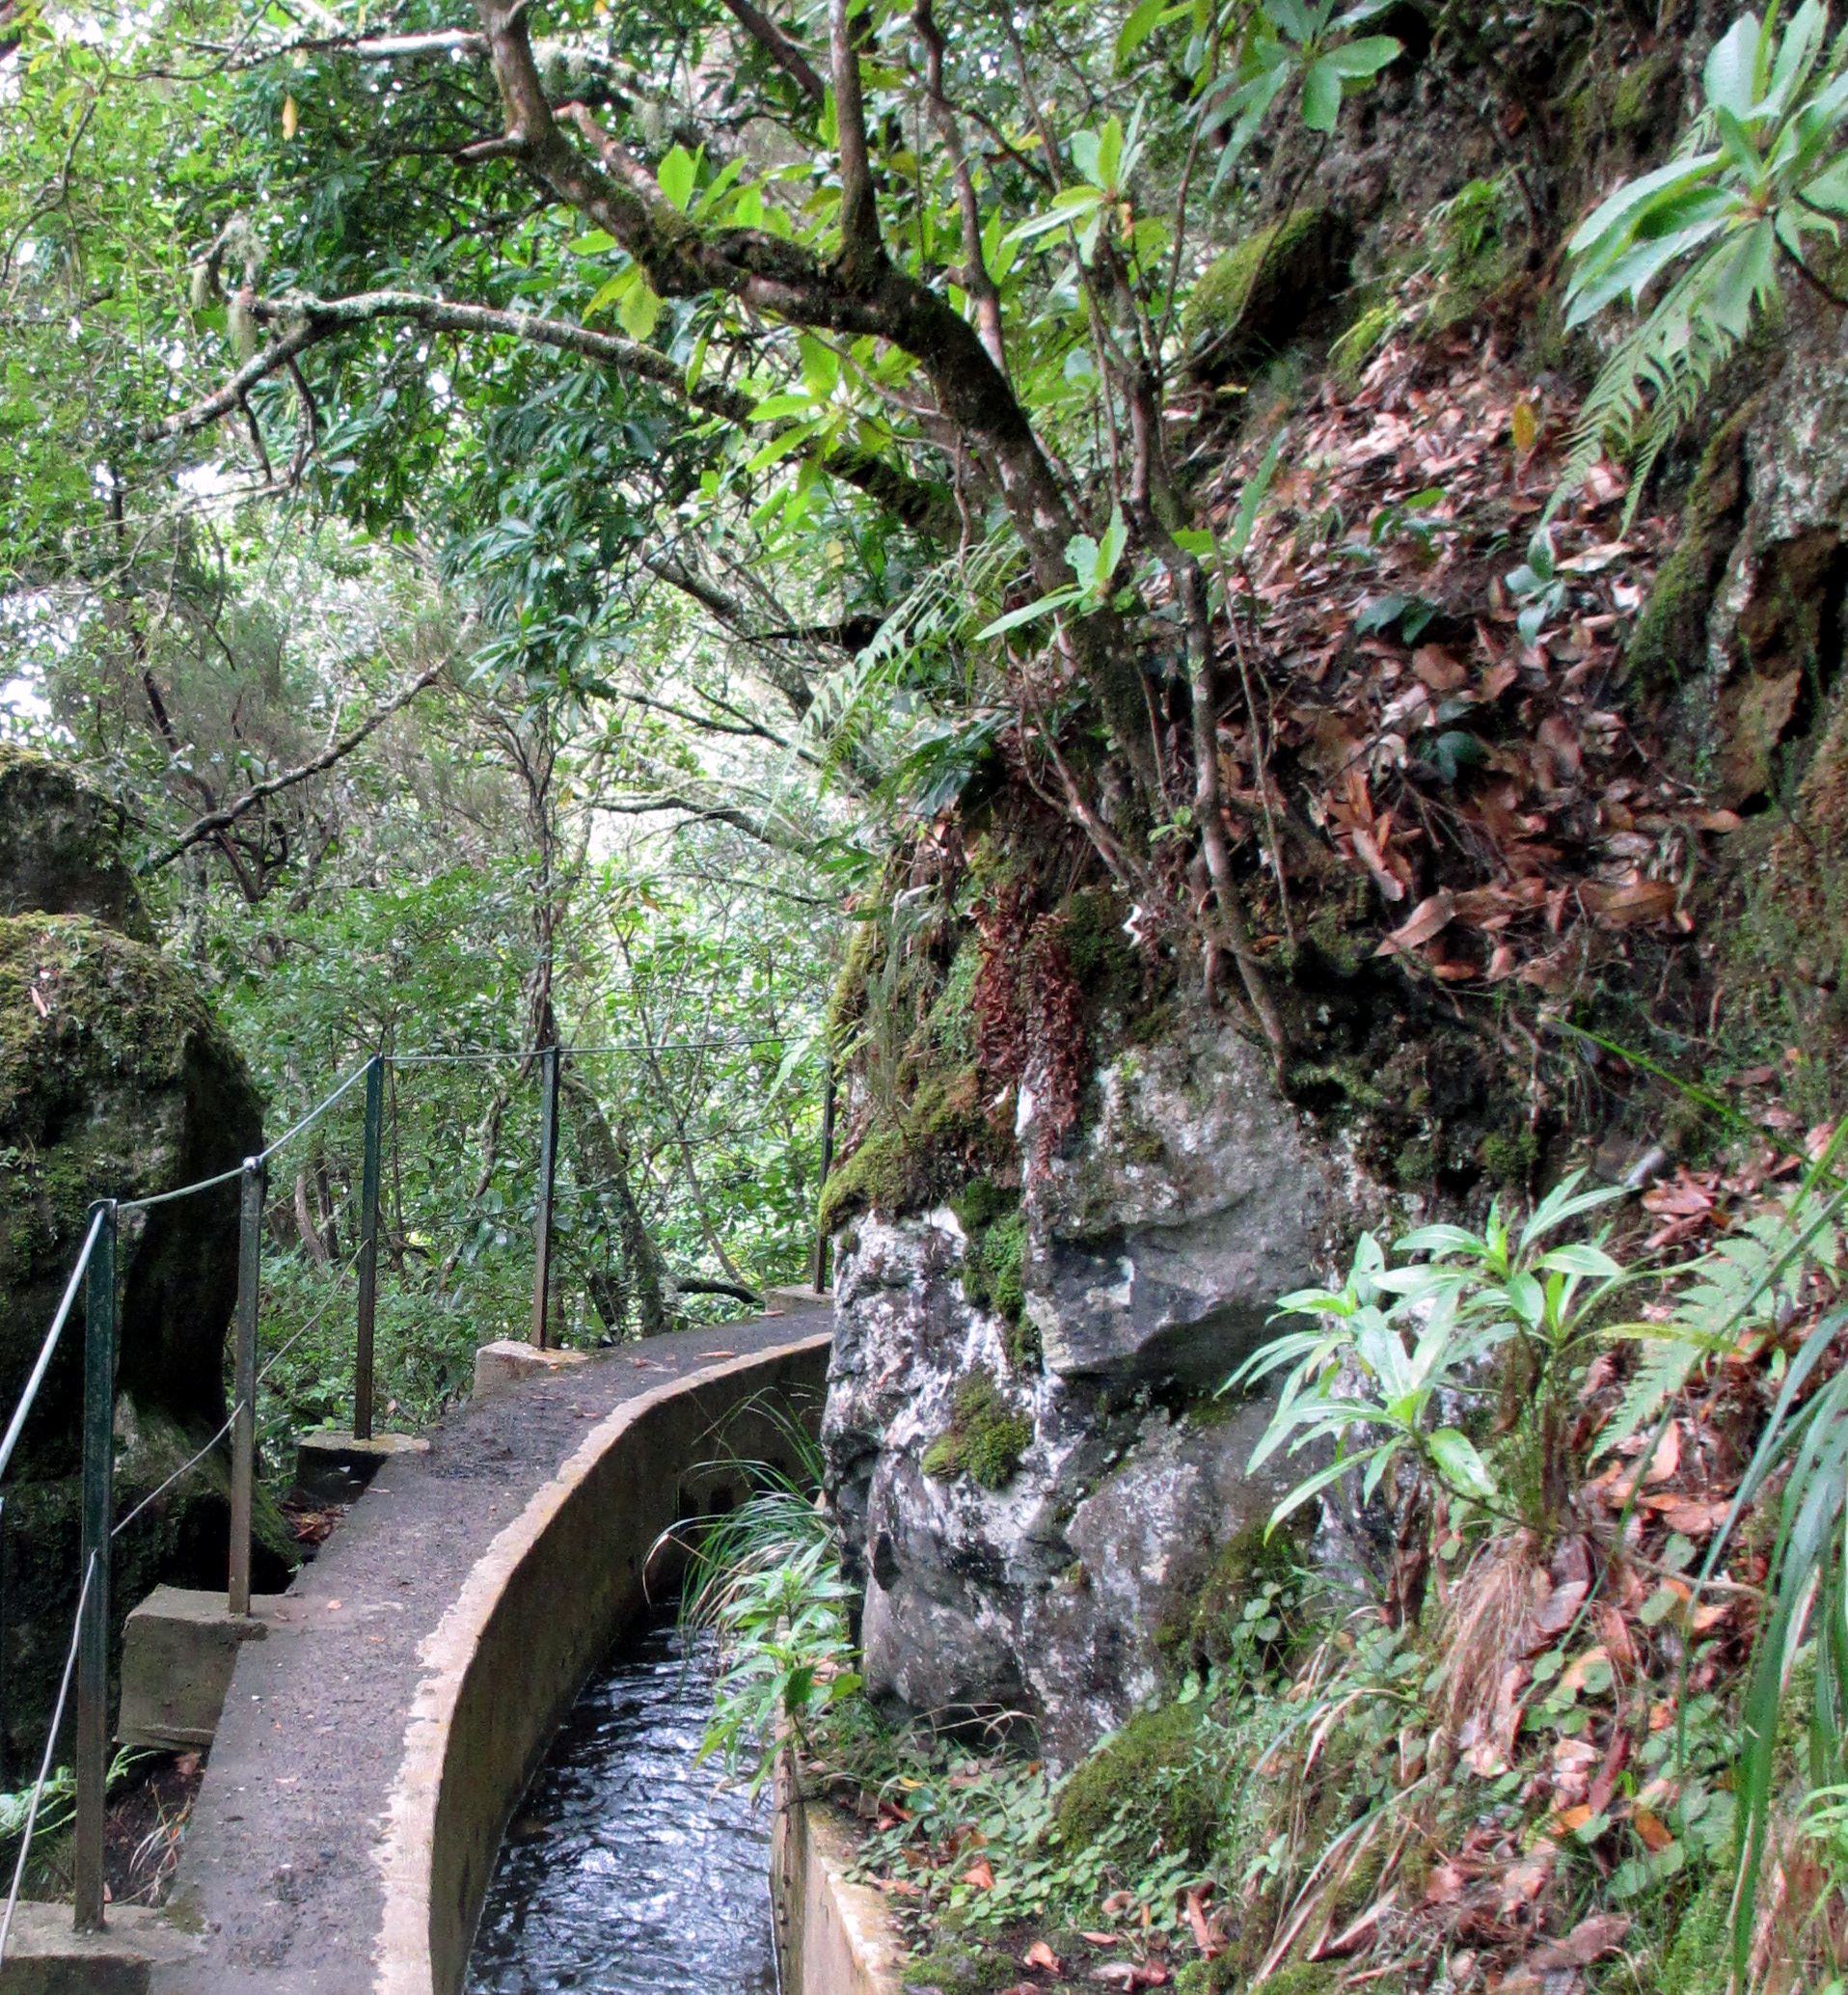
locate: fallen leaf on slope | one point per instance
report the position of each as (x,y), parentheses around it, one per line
(1430,918)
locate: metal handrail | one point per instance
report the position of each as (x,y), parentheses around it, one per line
(89,1655)
(50,1345)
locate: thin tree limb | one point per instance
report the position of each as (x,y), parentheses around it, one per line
(215,822)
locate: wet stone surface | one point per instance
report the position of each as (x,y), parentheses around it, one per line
(626,1869)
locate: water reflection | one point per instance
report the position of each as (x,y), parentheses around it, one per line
(623,1873)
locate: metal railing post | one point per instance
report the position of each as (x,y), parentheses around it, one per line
(548,1174)
(98,1515)
(819,1269)
(250,1271)
(369,1267)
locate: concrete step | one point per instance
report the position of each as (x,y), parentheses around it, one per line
(334,1467)
(178,1650)
(47,1957)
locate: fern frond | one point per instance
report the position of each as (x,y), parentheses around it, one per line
(1649,388)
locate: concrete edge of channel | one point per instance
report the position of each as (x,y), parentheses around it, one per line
(833,1936)
(502,1665)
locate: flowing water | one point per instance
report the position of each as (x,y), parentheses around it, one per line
(623,1872)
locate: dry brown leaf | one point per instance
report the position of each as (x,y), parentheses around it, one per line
(1040,1955)
(979,1876)
(1437,669)
(1590,1940)
(1430,918)
(1651,1830)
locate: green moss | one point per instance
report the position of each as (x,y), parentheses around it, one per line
(980,1203)
(1148,1781)
(954,1969)
(1638,100)
(1671,636)
(1508,1156)
(1700,1954)
(951,1026)
(1358,345)
(1211,1626)
(1415,1166)
(1096,946)
(986,1439)
(1250,301)
(941,1140)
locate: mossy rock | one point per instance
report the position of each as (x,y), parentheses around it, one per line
(60,848)
(1252,301)
(994,1257)
(941,1142)
(986,1439)
(182,1538)
(1253,1559)
(115,1081)
(1670,643)
(1146,1780)
(953,1969)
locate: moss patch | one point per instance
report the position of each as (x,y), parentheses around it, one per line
(1671,638)
(954,1969)
(1254,1566)
(941,1140)
(991,1216)
(1255,298)
(986,1439)
(1147,1780)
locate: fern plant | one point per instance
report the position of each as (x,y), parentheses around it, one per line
(1760,171)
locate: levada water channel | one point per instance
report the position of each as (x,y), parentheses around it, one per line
(624,1871)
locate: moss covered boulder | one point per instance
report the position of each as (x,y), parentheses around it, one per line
(1253,301)
(115,1081)
(60,848)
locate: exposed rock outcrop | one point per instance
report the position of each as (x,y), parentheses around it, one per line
(60,848)
(1155,1250)
(116,1080)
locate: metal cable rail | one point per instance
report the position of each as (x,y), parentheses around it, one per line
(95,1270)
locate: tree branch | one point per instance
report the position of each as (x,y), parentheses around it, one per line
(862,251)
(777,45)
(309,320)
(216,822)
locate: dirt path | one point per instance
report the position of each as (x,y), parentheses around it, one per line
(278,1873)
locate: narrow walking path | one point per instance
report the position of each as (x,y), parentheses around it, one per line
(281,1872)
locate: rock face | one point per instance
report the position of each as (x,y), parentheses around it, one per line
(116,1080)
(1155,1252)
(60,848)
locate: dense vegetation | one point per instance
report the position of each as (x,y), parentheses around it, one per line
(594,526)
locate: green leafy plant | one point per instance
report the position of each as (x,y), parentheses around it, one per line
(1394,1344)
(1292,46)
(766,1578)
(1758,171)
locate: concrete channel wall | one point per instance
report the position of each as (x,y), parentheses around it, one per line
(532,1618)
(833,1936)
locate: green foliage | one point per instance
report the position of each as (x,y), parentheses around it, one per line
(766,1575)
(1293,46)
(1143,1785)
(985,1440)
(1416,1336)
(1758,173)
